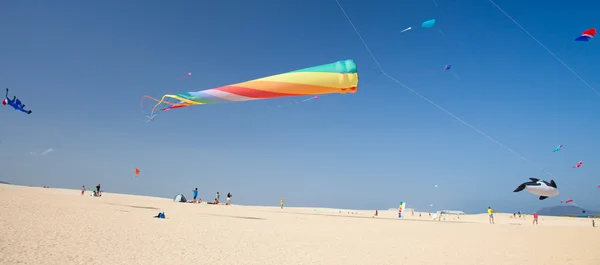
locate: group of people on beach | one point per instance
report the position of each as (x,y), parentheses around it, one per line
(96,192)
(491,216)
(216,201)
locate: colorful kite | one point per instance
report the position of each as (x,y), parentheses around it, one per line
(557,148)
(579,164)
(568,201)
(428,23)
(447,67)
(137,172)
(587,35)
(339,77)
(15,103)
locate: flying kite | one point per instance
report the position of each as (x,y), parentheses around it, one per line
(539,187)
(579,164)
(185,76)
(15,103)
(557,148)
(568,201)
(587,35)
(428,23)
(447,67)
(137,172)
(339,77)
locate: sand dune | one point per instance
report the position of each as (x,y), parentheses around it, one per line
(57,226)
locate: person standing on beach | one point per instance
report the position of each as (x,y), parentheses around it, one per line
(491,214)
(98,189)
(535,218)
(82,190)
(218,196)
(281,203)
(195,191)
(228,198)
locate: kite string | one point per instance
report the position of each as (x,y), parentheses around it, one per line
(360,36)
(425,98)
(438,106)
(548,50)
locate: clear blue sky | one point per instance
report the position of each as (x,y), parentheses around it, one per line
(81,66)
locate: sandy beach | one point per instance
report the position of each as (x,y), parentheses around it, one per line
(59,226)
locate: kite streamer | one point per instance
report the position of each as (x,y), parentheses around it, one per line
(339,77)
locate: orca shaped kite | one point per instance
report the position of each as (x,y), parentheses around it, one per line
(539,187)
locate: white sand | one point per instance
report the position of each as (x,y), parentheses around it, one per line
(57,226)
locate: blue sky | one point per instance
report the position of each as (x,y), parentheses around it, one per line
(82,66)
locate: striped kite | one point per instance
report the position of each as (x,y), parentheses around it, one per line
(339,77)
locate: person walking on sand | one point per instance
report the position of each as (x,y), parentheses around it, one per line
(228,198)
(281,203)
(98,189)
(82,190)
(491,214)
(535,218)
(195,191)
(218,196)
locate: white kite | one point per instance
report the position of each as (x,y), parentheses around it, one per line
(405,30)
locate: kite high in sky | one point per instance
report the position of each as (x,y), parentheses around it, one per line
(429,23)
(339,77)
(587,35)
(557,148)
(15,103)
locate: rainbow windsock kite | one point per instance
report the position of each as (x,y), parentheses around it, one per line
(339,77)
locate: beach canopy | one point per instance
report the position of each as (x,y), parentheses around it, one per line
(179,198)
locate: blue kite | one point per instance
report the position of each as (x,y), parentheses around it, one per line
(557,148)
(15,103)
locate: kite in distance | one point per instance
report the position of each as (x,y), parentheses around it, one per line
(447,67)
(428,23)
(557,148)
(587,35)
(185,76)
(137,172)
(339,77)
(579,164)
(15,103)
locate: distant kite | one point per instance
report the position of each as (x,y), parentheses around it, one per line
(15,103)
(579,164)
(406,29)
(447,67)
(428,23)
(557,148)
(339,77)
(185,76)
(568,201)
(587,35)
(137,172)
